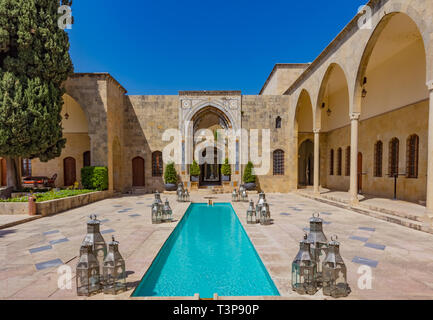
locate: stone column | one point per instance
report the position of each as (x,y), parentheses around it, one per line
(429,203)
(316,160)
(354,124)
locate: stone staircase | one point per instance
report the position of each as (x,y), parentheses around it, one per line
(403,218)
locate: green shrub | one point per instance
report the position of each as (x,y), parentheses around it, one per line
(226,169)
(94,178)
(50,195)
(248,173)
(170,174)
(195,169)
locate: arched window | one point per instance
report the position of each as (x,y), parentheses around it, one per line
(26,167)
(412,154)
(157,165)
(278,162)
(86,159)
(378,156)
(339,159)
(278,122)
(348,161)
(331,163)
(393,157)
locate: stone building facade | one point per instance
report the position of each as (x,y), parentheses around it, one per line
(351,120)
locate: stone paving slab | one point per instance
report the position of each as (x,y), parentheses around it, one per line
(393,252)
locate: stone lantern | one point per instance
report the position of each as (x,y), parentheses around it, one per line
(87,272)
(156,212)
(95,239)
(235,196)
(319,244)
(114,270)
(334,272)
(251,214)
(304,270)
(167,212)
(265,214)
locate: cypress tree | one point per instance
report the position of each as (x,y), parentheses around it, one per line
(34,62)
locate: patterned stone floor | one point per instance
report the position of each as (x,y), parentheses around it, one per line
(400,259)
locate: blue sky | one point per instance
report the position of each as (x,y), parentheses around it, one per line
(161,47)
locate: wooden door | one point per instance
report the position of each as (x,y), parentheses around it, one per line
(359,172)
(3,180)
(138,172)
(69,171)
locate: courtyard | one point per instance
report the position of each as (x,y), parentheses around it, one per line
(400,259)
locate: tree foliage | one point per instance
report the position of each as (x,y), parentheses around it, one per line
(170,174)
(34,62)
(248,173)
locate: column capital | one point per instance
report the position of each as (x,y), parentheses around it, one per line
(355,116)
(316,131)
(430,85)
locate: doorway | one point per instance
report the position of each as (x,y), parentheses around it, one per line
(69,171)
(138,172)
(306,164)
(210,174)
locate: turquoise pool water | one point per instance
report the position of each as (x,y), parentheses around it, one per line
(208,252)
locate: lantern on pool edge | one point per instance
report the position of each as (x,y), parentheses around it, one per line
(114,270)
(304,270)
(186,197)
(243,194)
(87,272)
(167,212)
(334,272)
(251,214)
(95,239)
(265,214)
(319,245)
(158,197)
(235,196)
(156,212)
(179,192)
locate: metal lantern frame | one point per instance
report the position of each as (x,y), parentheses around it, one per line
(167,212)
(319,245)
(114,270)
(186,197)
(304,270)
(244,195)
(87,272)
(179,192)
(334,272)
(251,214)
(156,212)
(235,196)
(265,214)
(95,239)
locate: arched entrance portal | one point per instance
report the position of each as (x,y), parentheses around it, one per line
(206,123)
(306,163)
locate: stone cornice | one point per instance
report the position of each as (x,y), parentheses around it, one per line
(282,66)
(209,93)
(100,75)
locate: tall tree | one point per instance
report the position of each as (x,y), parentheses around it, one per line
(34,62)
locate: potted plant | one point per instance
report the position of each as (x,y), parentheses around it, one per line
(226,170)
(170,177)
(249,178)
(194,171)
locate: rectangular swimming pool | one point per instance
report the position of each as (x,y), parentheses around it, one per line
(208,252)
